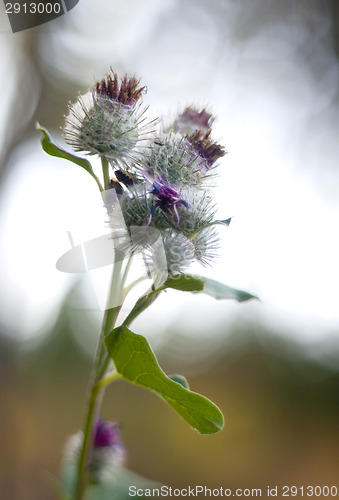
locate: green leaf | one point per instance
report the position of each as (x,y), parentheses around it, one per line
(188,283)
(113,487)
(53,150)
(225,222)
(119,487)
(135,361)
(183,282)
(220,291)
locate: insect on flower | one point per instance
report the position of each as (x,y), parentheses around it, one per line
(125,177)
(117,186)
(168,199)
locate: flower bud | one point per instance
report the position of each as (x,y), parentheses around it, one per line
(107,454)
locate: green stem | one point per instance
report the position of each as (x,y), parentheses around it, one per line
(128,288)
(127,269)
(93,405)
(108,325)
(98,380)
(103,382)
(97,389)
(141,304)
(111,314)
(105,171)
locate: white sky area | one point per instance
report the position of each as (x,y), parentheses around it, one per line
(279,181)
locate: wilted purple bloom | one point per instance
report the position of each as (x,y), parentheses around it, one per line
(207,149)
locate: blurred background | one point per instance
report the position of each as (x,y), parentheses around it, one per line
(268,70)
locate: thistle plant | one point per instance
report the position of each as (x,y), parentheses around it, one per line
(156,185)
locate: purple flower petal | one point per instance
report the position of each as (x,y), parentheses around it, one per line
(106,434)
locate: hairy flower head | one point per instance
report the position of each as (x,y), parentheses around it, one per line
(136,206)
(175,255)
(206,245)
(108,453)
(128,92)
(108,121)
(191,120)
(184,219)
(163,195)
(174,159)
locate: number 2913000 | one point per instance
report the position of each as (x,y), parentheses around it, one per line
(33,8)
(309,491)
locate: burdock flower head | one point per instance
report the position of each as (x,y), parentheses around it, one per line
(108,121)
(191,120)
(162,189)
(108,452)
(169,194)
